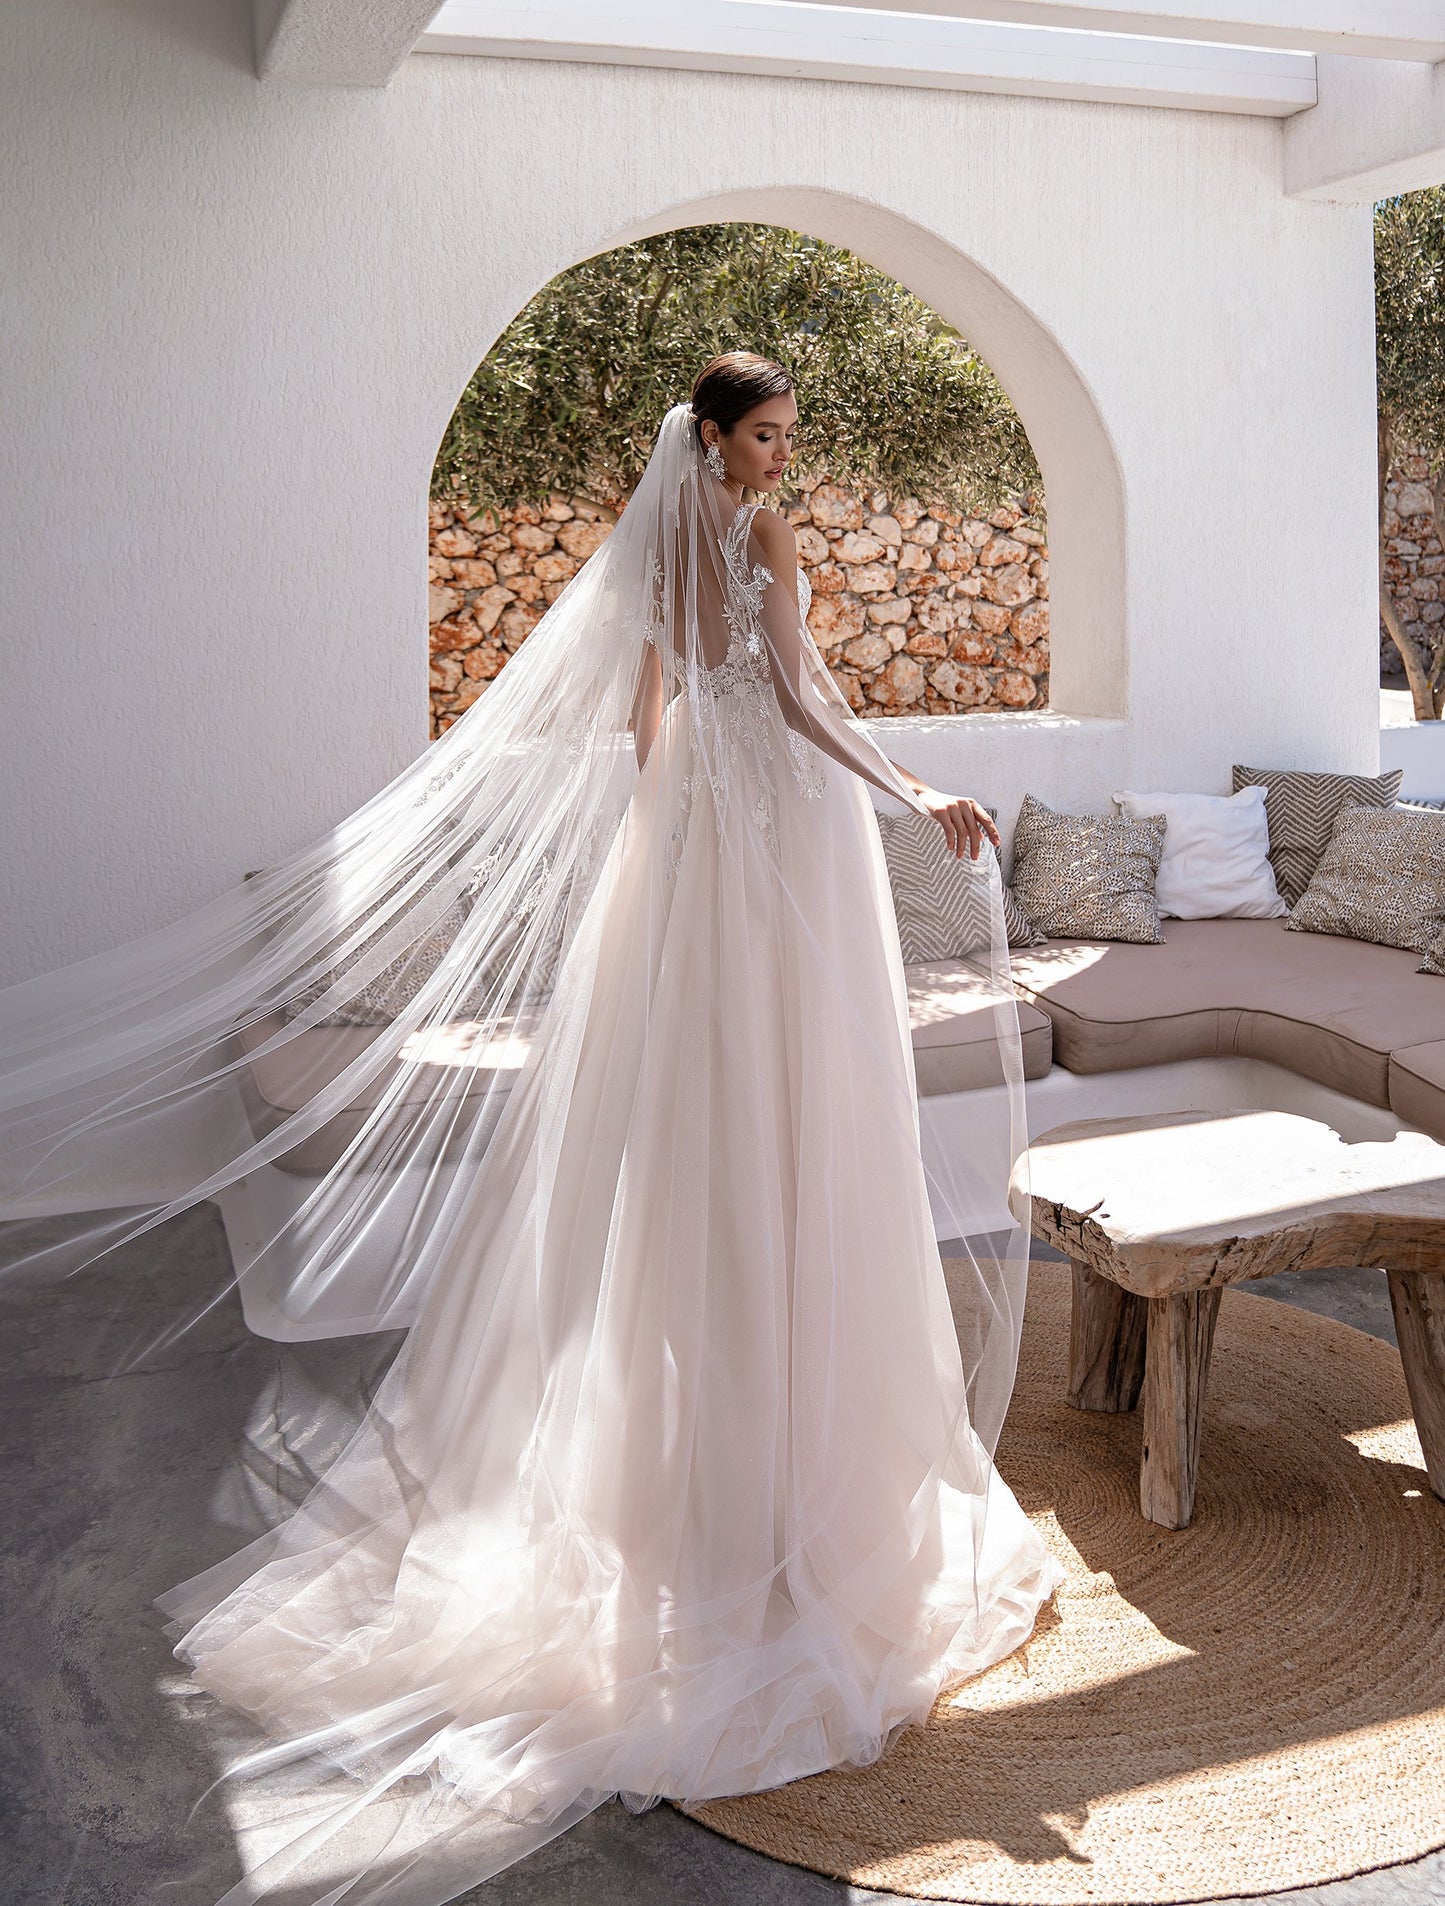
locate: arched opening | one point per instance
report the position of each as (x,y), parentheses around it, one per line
(921,605)
(1081,472)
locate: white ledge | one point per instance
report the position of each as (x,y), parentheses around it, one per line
(870,47)
(1368,29)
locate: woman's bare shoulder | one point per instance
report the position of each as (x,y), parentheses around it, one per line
(776,536)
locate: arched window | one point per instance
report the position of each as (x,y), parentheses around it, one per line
(917,502)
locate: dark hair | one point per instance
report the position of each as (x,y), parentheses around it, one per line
(734,384)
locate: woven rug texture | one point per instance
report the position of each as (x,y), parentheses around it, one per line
(1251,1704)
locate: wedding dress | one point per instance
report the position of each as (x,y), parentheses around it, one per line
(681,1482)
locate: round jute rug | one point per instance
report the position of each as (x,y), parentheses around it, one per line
(1253,1703)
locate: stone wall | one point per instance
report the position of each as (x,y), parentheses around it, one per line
(493,577)
(917,609)
(1414,561)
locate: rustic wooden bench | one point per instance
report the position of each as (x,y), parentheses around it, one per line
(1158,1214)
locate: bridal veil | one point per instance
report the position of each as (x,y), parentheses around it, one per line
(581,1049)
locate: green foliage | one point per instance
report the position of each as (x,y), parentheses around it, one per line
(1410,398)
(572,392)
(1410,318)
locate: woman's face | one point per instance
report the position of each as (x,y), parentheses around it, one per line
(757,449)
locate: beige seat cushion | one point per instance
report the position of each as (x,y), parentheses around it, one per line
(278,1083)
(1417,1086)
(1329,1008)
(955,1047)
(309,1061)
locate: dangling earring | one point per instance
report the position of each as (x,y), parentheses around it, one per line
(713,458)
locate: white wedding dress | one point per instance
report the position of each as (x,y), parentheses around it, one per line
(681,1482)
(672,1489)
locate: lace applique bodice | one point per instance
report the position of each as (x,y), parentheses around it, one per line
(745,666)
(746,660)
(744,671)
(805,593)
(743,711)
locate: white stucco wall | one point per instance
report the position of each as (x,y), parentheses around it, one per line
(234,319)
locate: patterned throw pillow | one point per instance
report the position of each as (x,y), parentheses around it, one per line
(1382,878)
(390,990)
(1301,809)
(422,940)
(1434,960)
(1087,876)
(941,901)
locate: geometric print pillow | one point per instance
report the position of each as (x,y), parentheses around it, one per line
(1088,876)
(1301,809)
(1382,878)
(423,935)
(942,903)
(391,990)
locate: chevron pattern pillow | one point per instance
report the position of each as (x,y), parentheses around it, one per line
(942,903)
(1301,810)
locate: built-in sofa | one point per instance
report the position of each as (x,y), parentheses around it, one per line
(1224,1012)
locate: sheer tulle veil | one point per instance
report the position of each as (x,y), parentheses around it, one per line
(371,1057)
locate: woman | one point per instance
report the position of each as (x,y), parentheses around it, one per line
(673,1487)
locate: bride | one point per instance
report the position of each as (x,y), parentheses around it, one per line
(599,1061)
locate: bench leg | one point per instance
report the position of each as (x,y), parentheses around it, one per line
(1181,1335)
(1418,1301)
(1106,1343)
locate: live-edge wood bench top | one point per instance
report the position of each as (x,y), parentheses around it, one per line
(1183,1201)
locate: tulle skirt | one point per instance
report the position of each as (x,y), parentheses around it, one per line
(671,1489)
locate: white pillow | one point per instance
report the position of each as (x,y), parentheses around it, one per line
(1216,854)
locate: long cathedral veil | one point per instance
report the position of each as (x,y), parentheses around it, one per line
(368,1056)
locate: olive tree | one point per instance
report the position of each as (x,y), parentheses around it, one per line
(1410,379)
(570,396)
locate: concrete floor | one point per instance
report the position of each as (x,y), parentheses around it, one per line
(115,1490)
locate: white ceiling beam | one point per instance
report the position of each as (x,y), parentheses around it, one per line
(878,48)
(1371,29)
(1379,128)
(336,42)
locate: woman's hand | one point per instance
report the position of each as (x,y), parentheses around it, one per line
(965,824)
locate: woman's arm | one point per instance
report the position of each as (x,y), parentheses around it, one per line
(815,708)
(646,715)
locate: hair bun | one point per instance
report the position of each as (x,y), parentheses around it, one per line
(732,385)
